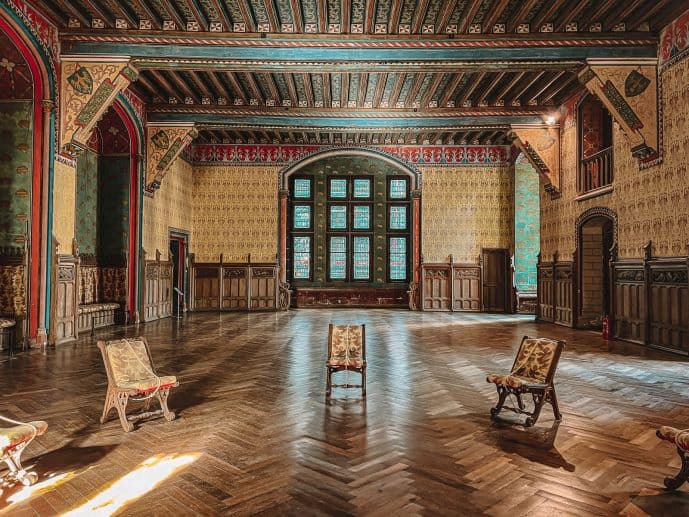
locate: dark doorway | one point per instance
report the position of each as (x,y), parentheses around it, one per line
(596,238)
(178,256)
(496,282)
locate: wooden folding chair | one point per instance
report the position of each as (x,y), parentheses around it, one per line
(131,373)
(532,372)
(346,352)
(13,441)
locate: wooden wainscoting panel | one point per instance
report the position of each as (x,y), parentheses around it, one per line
(235,292)
(65,324)
(669,305)
(563,293)
(206,283)
(466,291)
(263,288)
(629,294)
(165,290)
(151,273)
(436,287)
(545,308)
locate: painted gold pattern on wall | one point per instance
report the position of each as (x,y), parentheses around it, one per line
(465,209)
(64,200)
(650,204)
(170,208)
(235,213)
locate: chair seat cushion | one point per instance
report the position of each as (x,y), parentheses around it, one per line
(150,384)
(512,381)
(352,363)
(6,323)
(13,437)
(680,437)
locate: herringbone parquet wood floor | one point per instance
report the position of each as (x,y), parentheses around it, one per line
(251,403)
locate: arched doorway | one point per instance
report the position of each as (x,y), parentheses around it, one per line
(26,153)
(107,208)
(349,229)
(596,241)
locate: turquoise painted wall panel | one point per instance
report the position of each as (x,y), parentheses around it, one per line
(526,226)
(16,146)
(86,230)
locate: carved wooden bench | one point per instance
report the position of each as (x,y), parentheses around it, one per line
(532,373)
(96,315)
(680,438)
(6,331)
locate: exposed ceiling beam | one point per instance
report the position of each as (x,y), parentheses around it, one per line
(570,14)
(200,84)
(75,13)
(562,87)
(450,89)
(667,14)
(272,16)
(327,99)
(220,89)
(55,12)
(370,16)
(173,11)
(322,16)
(493,14)
(297,17)
(546,14)
(346,13)
(420,15)
(237,87)
(444,16)
(103,12)
(546,85)
(308,89)
(622,12)
(199,14)
(182,84)
(247,16)
(163,81)
(253,86)
(221,8)
(486,91)
(291,89)
(344,90)
(145,7)
(468,14)
(435,83)
(507,87)
(520,15)
(397,89)
(380,90)
(363,87)
(394,18)
(415,88)
(148,86)
(471,87)
(523,88)
(596,14)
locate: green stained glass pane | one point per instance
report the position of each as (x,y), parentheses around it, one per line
(398,258)
(362,188)
(302,257)
(338,217)
(338,188)
(302,188)
(398,189)
(302,216)
(338,258)
(398,218)
(362,217)
(362,258)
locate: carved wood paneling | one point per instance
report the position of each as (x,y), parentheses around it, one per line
(451,287)
(563,293)
(436,287)
(669,305)
(466,289)
(157,290)
(545,310)
(65,309)
(629,294)
(234,287)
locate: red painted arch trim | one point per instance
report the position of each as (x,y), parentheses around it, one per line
(36,240)
(133,262)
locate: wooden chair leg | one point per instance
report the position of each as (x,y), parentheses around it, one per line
(553,401)
(328,382)
(677,481)
(520,401)
(539,400)
(363,382)
(121,400)
(502,395)
(109,404)
(162,398)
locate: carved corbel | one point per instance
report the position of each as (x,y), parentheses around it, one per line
(164,143)
(88,87)
(629,91)
(541,146)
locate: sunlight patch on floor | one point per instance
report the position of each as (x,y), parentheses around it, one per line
(39,488)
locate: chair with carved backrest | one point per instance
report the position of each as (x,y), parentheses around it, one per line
(346,352)
(131,374)
(13,441)
(532,373)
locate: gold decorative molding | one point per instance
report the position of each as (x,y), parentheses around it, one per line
(88,87)
(541,147)
(164,143)
(629,90)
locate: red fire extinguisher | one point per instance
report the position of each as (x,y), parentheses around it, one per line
(606,327)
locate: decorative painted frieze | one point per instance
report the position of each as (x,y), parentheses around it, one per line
(629,90)
(674,43)
(87,88)
(164,143)
(541,147)
(283,154)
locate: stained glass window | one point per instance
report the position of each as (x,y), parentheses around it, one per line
(302,216)
(302,188)
(398,189)
(398,258)
(362,258)
(398,218)
(362,188)
(362,217)
(302,257)
(338,188)
(338,258)
(338,217)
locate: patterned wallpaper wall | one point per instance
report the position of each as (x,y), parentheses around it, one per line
(235,213)
(650,204)
(526,224)
(465,209)
(87,203)
(64,203)
(171,207)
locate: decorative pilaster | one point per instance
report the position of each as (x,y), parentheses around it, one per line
(282,196)
(164,143)
(629,90)
(541,146)
(88,87)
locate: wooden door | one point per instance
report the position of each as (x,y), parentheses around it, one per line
(495,280)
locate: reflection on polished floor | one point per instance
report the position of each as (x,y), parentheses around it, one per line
(255,433)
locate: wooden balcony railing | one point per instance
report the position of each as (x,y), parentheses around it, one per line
(596,171)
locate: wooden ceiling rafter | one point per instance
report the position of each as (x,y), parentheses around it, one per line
(569,15)
(272,87)
(148,86)
(273,19)
(522,88)
(419,78)
(431,90)
(322,16)
(247,16)
(182,84)
(102,11)
(370,16)
(471,87)
(419,16)
(558,89)
(517,18)
(547,84)
(344,89)
(493,83)
(291,89)
(545,15)
(380,89)
(167,86)
(450,89)
(468,14)
(297,16)
(395,14)
(173,12)
(308,90)
(666,15)
(199,14)
(493,14)
(56,13)
(223,14)
(444,16)
(327,97)
(155,19)
(253,86)
(621,13)
(363,87)
(397,89)
(201,85)
(345,16)
(220,88)
(237,87)
(596,14)
(76,13)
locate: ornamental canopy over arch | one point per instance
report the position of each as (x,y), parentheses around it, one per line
(408,169)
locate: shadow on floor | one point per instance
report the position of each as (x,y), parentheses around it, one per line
(658,503)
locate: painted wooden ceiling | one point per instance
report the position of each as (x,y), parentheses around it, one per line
(358,71)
